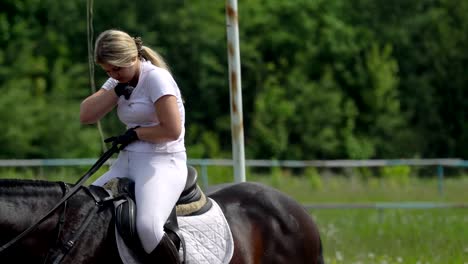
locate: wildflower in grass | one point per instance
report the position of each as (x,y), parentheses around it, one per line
(331,230)
(399,259)
(371,255)
(338,256)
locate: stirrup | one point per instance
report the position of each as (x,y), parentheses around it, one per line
(165,252)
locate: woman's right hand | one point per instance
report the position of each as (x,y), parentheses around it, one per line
(97,105)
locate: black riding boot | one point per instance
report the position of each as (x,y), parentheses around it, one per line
(165,252)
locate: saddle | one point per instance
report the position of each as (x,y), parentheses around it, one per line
(191,202)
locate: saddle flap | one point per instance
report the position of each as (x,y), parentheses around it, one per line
(125,219)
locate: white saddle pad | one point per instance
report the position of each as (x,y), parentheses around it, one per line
(208,239)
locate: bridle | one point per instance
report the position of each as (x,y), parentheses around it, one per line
(60,250)
(68,193)
(61,221)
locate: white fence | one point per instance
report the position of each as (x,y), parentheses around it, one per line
(439,164)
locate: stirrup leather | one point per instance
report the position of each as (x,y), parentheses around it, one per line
(165,252)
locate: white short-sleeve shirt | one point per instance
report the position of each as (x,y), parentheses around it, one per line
(139,110)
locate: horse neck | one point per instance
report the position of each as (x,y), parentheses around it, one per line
(23,202)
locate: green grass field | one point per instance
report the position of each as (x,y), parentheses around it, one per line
(377,236)
(394,236)
(385,236)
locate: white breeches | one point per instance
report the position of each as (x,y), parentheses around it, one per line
(159,180)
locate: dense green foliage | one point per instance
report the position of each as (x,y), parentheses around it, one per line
(321,79)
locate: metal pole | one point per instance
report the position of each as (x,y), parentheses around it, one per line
(237,124)
(440,176)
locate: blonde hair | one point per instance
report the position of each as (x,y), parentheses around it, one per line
(118,48)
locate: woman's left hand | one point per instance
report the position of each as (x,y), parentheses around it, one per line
(125,139)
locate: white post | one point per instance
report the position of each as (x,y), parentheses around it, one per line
(237,124)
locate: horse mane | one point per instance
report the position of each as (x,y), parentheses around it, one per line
(17,186)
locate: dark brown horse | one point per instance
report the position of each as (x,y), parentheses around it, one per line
(267,226)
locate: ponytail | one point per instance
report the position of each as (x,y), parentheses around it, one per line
(151,55)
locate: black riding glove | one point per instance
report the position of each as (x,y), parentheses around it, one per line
(125,139)
(124,89)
